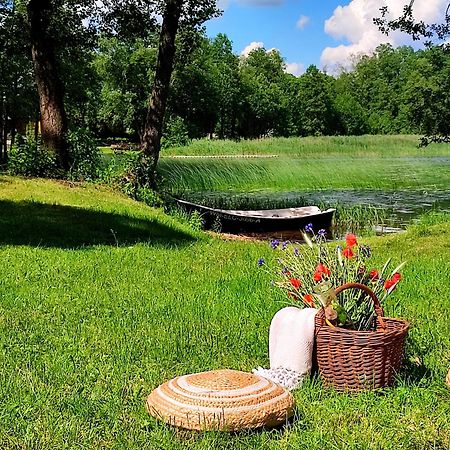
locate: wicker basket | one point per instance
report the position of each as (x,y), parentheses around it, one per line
(226,400)
(350,360)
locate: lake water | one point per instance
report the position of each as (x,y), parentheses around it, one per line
(397,208)
(403,206)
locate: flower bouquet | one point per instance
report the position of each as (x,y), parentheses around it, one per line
(356,346)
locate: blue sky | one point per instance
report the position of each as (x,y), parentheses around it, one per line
(330,33)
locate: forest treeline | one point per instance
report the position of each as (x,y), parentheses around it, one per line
(216,92)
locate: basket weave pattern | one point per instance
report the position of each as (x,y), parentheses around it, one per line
(222,400)
(350,360)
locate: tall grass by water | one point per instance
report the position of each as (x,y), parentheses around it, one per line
(317,146)
(102,299)
(290,174)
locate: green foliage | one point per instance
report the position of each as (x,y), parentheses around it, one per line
(148,196)
(84,155)
(28,158)
(265,100)
(351,114)
(192,220)
(125,71)
(316,109)
(175,133)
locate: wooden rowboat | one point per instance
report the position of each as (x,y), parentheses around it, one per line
(265,220)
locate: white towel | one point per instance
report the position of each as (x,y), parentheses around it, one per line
(291,342)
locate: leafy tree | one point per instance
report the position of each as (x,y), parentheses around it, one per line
(377,84)
(227,85)
(265,105)
(18,99)
(434,34)
(351,115)
(417,29)
(206,88)
(315,113)
(189,13)
(427,93)
(54,125)
(125,71)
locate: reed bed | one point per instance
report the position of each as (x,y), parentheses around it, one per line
(290,174)
(318,146)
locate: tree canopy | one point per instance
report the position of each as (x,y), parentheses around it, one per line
(104,57)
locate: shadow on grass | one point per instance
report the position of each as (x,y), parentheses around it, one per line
(44,225)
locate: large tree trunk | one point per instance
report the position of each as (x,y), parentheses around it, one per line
(151,138)
(49,85)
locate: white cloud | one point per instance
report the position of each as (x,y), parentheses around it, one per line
(250,47)
(295,69)
(302,22)
(354,24)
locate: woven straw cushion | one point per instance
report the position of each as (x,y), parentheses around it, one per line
(221,400)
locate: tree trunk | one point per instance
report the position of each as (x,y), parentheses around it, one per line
(49,85)
(151,138)
(36,128)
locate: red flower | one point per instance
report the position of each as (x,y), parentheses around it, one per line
(295,282)
(308,299)
(374,274)
(317,276)
(350,240)
(391,282)
(347,252)
(396,277)
(324,270)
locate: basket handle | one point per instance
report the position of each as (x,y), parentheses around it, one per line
(376,303)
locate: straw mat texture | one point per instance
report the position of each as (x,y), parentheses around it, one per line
(226,400)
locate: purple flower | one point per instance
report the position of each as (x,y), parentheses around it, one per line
(296,252)
(261,262)
(274,243)
(322,233)
(309,228)
(284,245)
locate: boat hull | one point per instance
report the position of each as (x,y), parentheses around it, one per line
(231,222)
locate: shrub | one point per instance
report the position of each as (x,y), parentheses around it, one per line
(193,220)
(149,197)
(84,154)
(175,133)
(28,158)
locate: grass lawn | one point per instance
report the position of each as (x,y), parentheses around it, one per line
(302,164)
(102,299)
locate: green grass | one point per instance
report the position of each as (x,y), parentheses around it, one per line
(91,321)
(290,174)
(323,146)
(366,162)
